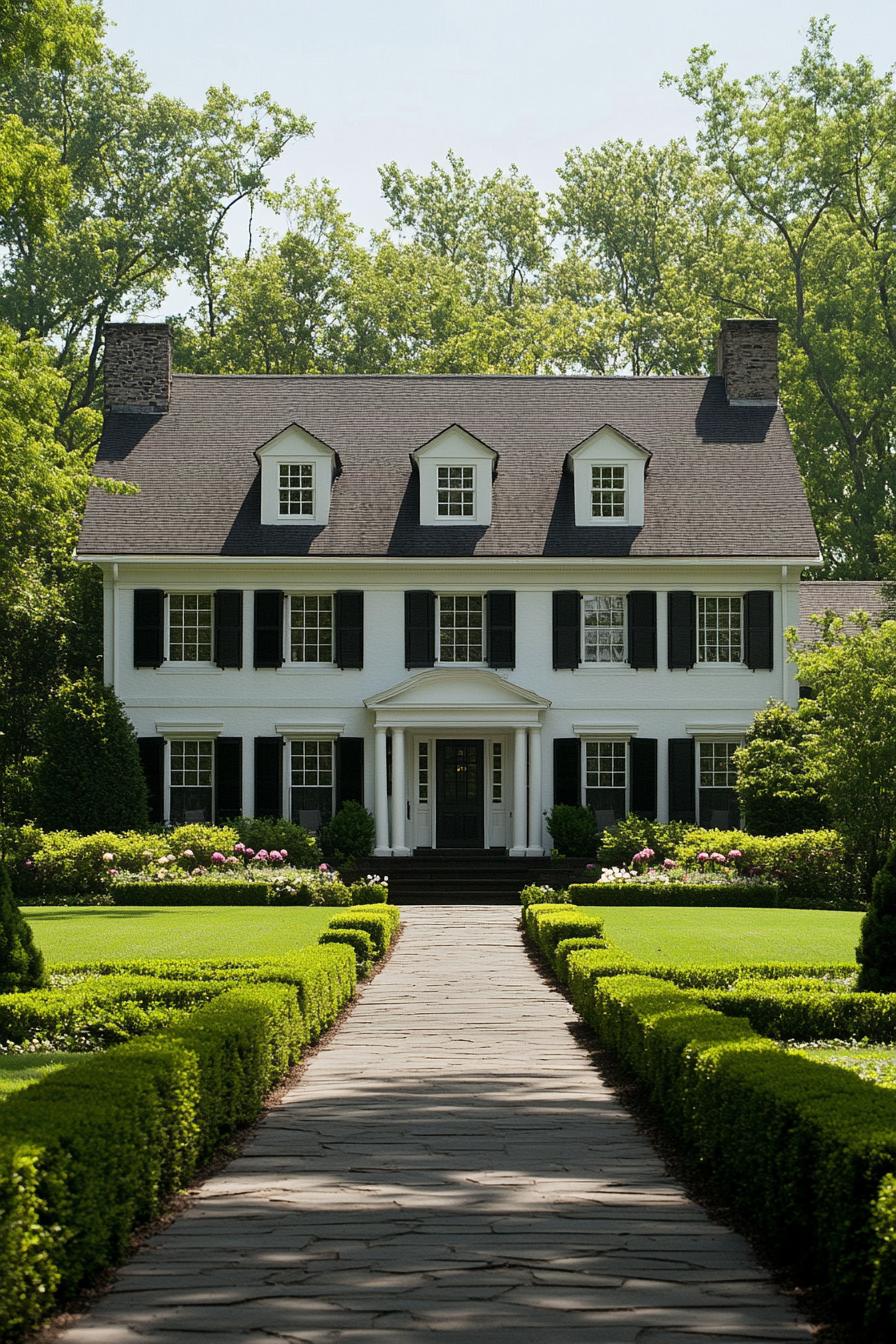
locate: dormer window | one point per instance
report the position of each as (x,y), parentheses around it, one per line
(608,470)
(607,492)
(296,489)
(297,474)
(456,471)
(457,492)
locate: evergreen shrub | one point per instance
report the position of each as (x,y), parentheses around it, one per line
(876,953)
(349,835)
(21,962)
(572,829)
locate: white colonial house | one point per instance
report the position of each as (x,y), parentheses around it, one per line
(459,600)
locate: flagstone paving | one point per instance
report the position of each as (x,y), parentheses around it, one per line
(451,1162)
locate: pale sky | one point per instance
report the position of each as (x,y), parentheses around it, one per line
(500,81)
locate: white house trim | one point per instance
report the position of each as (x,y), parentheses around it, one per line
(294,445)
(609,447)
(455,447)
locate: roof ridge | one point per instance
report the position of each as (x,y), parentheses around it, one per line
(469,377)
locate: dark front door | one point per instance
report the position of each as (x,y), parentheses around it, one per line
(459,795)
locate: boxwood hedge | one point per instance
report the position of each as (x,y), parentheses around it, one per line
(379,921)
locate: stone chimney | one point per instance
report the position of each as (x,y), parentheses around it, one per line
(747,358)
(137,367)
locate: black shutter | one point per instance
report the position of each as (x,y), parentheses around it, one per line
(152,758)
(149,616)
(567,770)
(501,629)
(228,627)
(268,777)
(349,770)
(682,784)
(348,617)
(759,644)
(642,765)
(268,629)
(228,778)
(682,629)
(419,629)
(642,629)
(567,637)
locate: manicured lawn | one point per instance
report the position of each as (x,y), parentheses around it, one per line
(18,1071)
(707,936)
(93,933)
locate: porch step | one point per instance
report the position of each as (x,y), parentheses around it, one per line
(468,877)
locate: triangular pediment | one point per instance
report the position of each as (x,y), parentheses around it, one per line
(294,439)
(456,687)
(608,441)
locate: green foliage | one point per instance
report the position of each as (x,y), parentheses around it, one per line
(280,834)
(572,830)
(21,963)
(349,834)
(379,921)
(564,950)
(791,1010)
(369,892)
(549,925)
(90,777)
(775,789)
(536,895)
(759,895)
(633,833)
(798,1148)
(358,940)
(876,953)
(202,839)
(195,891)
(812,868)
(853,736)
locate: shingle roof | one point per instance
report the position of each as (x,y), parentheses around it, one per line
(842,597)
(721,481)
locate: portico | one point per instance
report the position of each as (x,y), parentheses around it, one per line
(458,763)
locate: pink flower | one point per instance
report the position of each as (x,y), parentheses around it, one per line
(187,854)
(113,872)
(668,863)
(717,858)
(323,868)
(735,854)
(217,857)
(648,853)
(703,857)
(196,872)
(231,858)
(250,853)
(108,858)
(275,856)
(589,865)
(262,854)
(284,853)
(238,847)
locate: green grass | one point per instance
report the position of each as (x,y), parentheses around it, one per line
(17,1071)
(90,933)
(874,1063)
(710,936)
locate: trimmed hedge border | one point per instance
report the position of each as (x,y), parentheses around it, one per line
(92,1151)
(191,893)
(803,1150)
(748,895)
(358,940)
(380,922)
(790,1011)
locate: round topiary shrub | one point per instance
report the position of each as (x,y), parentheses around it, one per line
(876,952)
(573,830)
(21,963)
(349,835)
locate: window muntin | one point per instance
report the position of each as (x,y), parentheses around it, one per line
(312,778)
(191,773)
(461,629)
(296,490)
(190,627)
(717,768)
(607,491)
(603,618)
(719,629)
(423,772)
(606,779)
(456,492)
(311,628)
(497,772)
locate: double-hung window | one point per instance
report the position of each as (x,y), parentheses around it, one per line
(311,628)
(606,779)
(456,492)
(719,629)
(607,491)
(296,490)
(717,776)
(603,628)
(312,779)
(461,629)
(190,624)
(191,775)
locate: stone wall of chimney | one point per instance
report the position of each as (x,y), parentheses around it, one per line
(137,367)
(747,358)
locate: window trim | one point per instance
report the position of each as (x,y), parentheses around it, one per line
(188,664)
(608,738)
(169,740)
(464,490)
(715,663)
(479,662)
(306,516)
(311,735)
(594,664)
(291,664)
(616,518)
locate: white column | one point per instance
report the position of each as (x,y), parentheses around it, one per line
(518,848)
(380,793)
(399,801)
(534,846)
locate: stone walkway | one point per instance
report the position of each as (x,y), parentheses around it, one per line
(450,1163)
